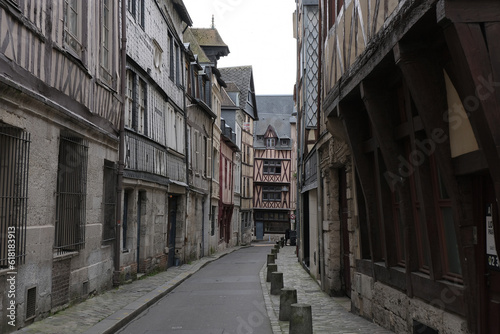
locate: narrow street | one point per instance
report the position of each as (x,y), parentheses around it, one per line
(225,297)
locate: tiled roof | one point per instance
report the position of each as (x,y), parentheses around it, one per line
(242,76)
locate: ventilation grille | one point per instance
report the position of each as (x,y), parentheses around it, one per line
(31,303)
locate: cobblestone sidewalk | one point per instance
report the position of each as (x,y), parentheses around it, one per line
(330,315)
(109,311)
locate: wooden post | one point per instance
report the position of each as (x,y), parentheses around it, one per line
(271,258)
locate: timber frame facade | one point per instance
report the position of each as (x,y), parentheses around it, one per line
(273,191)
(60,107)
(413,87)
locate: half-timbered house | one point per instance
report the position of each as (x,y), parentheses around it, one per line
(241,90)
(60,107)
(228,149)
(272,165)
(324,167)
(413,87)
(155,176)
(201,71)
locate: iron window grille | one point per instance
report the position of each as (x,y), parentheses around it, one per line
(14,163)
(71,195)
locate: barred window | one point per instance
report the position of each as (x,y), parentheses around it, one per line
(109,202)
(14,153)
(71,194)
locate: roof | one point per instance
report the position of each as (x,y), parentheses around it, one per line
(274,110)
(208,37)
(195,46)
(183,12)
(211,42)
(242,77)
(226,100)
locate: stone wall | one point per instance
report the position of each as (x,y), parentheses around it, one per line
(394,310)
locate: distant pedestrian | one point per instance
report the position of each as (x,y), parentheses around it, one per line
(287,236)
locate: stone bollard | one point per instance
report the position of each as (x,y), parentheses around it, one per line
(276,283)
(277,246)
(274,251)
(271,258)
(271,268)
(287,298)
(301,319)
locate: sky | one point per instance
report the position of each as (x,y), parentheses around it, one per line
(258,33)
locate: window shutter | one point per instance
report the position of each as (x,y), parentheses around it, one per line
(209,157)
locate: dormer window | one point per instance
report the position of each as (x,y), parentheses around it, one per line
(270,142)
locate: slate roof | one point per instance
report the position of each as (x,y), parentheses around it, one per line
(242,77)
(208,37)
(274,110)
(195,46)
(226,100)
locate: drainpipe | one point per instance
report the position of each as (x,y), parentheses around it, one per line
(121,151)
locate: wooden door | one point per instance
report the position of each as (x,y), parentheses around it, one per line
(488,273)
(344,213)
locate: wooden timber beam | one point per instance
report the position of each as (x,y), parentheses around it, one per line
(475,71)
(356,125)
(378,101)
(425,80)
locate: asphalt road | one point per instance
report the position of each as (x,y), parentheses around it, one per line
(225,297)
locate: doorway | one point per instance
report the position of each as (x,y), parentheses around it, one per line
(488,266)
(344,214)
(259,230)
(171,230)
(306,233)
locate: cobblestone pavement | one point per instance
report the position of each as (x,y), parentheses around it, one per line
(109,311)
(330,315)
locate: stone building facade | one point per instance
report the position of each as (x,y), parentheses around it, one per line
(60,107)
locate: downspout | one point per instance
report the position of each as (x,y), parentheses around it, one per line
(121,150)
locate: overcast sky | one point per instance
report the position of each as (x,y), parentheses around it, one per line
(258,33)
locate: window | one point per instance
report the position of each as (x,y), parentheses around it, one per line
(177,65)
(136,8)
(271,193)
(73,26)
(136,104)
(272,167)
(141,107)
(129,108)
(14,145)
(71,194)
(106,40)
(171,58)
(270,142)
(208,163)
(109,201)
